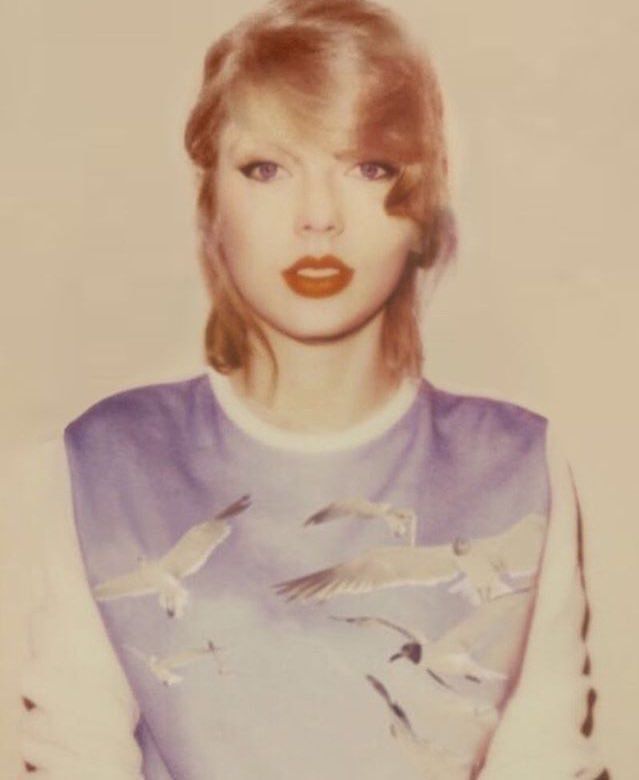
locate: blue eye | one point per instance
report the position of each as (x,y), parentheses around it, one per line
(376,171)
(261,170)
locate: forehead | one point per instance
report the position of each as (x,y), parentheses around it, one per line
(266,116)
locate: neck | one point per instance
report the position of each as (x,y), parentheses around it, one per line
(320,387)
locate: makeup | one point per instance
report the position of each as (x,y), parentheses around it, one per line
(314,277)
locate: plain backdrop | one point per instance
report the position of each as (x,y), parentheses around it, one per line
(101,289)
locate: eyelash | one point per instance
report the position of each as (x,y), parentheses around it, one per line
(250,167)
(390,171)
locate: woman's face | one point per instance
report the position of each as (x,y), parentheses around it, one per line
(304,232)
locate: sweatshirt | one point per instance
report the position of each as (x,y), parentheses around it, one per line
(222,599)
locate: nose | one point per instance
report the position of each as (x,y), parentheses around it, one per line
(319,211)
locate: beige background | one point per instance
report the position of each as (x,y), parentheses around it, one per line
(100,287)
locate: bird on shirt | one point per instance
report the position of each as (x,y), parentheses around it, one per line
(440,661)
(402,522)
(164,575)
(480,564)
(434,761)
(163,668)
(451,656)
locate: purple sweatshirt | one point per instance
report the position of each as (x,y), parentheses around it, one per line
(364,613)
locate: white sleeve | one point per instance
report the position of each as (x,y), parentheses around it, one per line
(80,714)
(547,727)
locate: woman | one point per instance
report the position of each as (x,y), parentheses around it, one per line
(311,562)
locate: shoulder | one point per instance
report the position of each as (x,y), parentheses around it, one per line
(147,412)
(480,418)
(491,445)
(490,456)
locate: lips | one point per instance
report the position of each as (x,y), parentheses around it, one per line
(315,277)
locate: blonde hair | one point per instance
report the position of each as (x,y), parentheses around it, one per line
(303,51)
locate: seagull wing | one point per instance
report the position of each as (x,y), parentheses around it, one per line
(367,621)
(135,583)
(351,507)
(518,549)
(381,567)
(397,711)
(380,688)
(235,508)
(498,616)
(193,548)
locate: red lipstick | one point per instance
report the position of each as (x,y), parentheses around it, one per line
(315,277)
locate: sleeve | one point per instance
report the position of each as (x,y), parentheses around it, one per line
(547,729)
(79,714)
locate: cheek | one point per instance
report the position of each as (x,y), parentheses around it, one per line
(387,277)
(234,238)
(250,236)
(386,249)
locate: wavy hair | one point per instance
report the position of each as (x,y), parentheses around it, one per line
(305,52)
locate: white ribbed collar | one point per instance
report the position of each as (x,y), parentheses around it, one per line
(354,436)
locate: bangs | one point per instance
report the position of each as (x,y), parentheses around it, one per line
(390,113)
(333,91)
(299,75)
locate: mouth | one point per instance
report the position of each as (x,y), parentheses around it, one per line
(320,277)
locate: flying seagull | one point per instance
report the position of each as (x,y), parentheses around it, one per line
(434,761)
(163,668)
(452,654)
(439,662)
(402,522)
(163,575)
(482,562)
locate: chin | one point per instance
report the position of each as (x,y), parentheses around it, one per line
(324,332)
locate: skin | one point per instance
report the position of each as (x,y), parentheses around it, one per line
(281,198)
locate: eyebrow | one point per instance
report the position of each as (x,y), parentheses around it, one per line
(341,155)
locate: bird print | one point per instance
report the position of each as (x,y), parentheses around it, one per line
(439,662)
(163,668)
(479,563)
(435,762)
(402,522)
(164,575)
(451,656)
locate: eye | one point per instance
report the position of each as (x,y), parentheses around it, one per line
(377,171)
(262,170)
